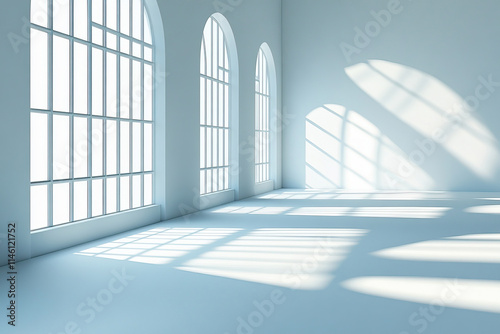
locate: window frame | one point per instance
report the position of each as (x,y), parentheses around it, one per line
(89,116)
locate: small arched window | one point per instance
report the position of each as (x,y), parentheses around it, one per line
(216,110)
(91,109)
(264,114)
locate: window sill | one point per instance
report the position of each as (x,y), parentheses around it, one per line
(59,237)
(215,199)
(263,187)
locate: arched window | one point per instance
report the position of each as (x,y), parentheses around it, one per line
(91,109)
(264,114)
(216,108)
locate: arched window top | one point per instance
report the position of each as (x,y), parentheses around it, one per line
(220,24)
(265,116)
(218,111)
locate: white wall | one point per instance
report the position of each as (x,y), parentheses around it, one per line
(253,22)
(381,118)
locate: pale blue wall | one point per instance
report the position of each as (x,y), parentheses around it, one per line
(446,43)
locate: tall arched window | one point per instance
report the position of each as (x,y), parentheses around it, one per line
(262,128)
(215,109)
(91,109)
(264,114)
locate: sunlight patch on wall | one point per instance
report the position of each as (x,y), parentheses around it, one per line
(345,150)
(432,109)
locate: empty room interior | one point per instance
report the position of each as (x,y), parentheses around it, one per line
(250,167)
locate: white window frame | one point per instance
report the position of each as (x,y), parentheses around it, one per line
(217,108)
(144,44)
(262,119)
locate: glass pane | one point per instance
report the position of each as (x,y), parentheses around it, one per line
(61,147)
(39,70)
(111,195)
(148,189)
(226,147)
(136,89)
(97,81)
(137,19)
(148,92)
(124,147)
(215,104)
(148,147)
(111,85)
(97,11)
(61,16)
(136,50)
(97,36)
(202,100)
(124,193)
(215,147)
(124,87)
(111,147)
(124,45)
(39,147)
(226,106)
(203,187)
(97,198)
(80,72)
(80,18)
(80,200)
(39,10)
(209,181)
(80,147)
(209,147)
(137,147)
(202,147)
(147,29)
(221,147)
(111,40)
(125,17)
(60,209)
(209,102)
(148,53)
(221,105)
(136,191)
(61,74)
(226,178)
(111,14)
(39,207)
(97,147)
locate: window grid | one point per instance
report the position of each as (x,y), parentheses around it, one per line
(262,117)
(214,110)
(130,184)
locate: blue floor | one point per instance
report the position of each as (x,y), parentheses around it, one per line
(288,262)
